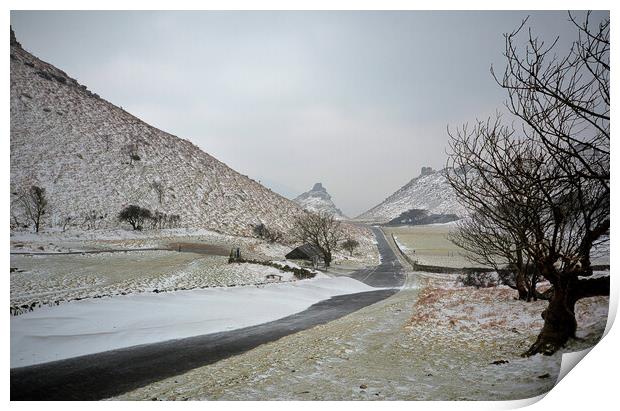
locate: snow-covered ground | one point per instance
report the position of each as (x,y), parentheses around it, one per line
(57,279)
(400,245)
(433,340)
(96,325)
(48,279)
(79,240)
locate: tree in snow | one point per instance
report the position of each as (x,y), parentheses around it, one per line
(350,245)
(264,233)
(131,150)
(490,245)
(546,182)
(65,221)
(93,219)
(158,219)
(261,231)
(135,215)
(34,204)
(159,188)
(321,230)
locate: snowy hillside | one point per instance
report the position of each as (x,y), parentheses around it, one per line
(318,200)
(429,191)
(93,157)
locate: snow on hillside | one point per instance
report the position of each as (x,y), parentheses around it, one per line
(92,156)
(429,191)
(318,200)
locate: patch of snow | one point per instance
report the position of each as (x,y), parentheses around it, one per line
(97,325)
(400,245)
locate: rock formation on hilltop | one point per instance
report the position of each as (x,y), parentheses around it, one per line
(319,200)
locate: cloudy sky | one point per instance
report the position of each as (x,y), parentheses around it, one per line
(359,101)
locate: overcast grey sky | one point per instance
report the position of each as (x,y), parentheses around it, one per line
(359,101)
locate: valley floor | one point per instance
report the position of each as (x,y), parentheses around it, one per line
(431,341)
(44,276)
(97,325)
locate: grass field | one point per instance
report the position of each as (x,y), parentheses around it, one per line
(429,245)
(46,279)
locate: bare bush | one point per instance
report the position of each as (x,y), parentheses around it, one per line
(272,235)
(160,190)
(477,279)
(34,205)
(93,219)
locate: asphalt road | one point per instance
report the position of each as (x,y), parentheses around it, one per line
(387,274)
(110,373)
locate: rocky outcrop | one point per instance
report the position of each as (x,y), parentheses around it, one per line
(319,200)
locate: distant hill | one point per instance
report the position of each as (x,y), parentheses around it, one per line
(93,158)
(319,200)
(429,191)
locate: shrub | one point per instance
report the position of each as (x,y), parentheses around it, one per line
(135,215)
(478,279)
(261,231)
(350,245)
(34,204)
(93,219)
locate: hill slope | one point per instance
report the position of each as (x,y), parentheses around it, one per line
(92,156)
(318,200)
(429,191)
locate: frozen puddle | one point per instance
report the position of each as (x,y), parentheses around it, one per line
(96,325)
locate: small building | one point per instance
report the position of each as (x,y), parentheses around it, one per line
(304,252)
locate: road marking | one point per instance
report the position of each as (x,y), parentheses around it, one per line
(371,273)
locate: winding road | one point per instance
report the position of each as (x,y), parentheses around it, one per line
(111,373)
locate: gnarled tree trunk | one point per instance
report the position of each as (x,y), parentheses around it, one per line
(520,274)
(560,322)
(521,286)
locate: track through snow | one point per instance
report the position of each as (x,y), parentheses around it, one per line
(36,338)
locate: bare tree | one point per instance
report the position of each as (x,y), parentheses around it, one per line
(159,188)
(565,104)
(264,233)
(489,245)
(547,186)
(65,221)
(93,219)
(131,150)
(261,230)
(564,101)
(158,219)
(321,230)
(350,245)
(34,204)
(173,221)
